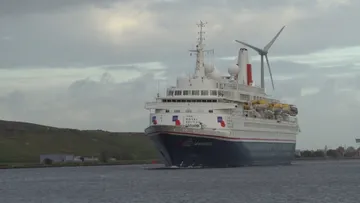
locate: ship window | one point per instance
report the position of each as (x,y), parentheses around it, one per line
(244,97)
(188,101)
(170,93)
(176,111)
(186,92)
(211,111)
(213,92)
(204,101)
(195,92)
(178,92)
(164,100)
(214,100)
(204,92)
(167,110)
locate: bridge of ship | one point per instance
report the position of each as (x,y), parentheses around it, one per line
(225,92)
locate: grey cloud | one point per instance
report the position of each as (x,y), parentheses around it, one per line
(283,89)
(65,40)
(40,42)
(284,68)
(335,29)
(88,104)
(104,104)
(118,67)
(189,5)
(42,37)
(20,7)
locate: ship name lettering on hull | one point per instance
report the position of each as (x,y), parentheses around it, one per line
(190,143)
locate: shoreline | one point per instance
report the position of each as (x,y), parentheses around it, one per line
(135,162)
(325,158)
(73,164)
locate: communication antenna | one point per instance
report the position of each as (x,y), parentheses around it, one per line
(199,51)
(201,25)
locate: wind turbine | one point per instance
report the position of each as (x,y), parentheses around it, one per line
(262,53)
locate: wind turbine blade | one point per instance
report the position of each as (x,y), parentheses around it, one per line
(272,81)
(248,45)
(267,47)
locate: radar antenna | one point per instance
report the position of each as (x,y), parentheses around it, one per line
(199,69)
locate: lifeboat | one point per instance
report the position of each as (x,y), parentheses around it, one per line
(262,101)
(286,107)
(261,107)
(269,114)
(294,109)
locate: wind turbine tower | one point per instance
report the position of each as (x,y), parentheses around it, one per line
(263,52)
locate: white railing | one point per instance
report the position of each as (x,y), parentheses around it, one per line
(246,112)
(253,89)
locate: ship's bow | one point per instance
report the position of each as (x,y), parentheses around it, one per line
(193,147)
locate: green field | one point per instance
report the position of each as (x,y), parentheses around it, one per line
(24,142)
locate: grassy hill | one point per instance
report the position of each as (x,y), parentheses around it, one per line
(24,142)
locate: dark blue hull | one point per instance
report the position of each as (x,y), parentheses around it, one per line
(185,150)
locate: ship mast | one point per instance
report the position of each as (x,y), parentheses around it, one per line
(199,69)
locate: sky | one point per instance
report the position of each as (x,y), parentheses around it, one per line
(92,64)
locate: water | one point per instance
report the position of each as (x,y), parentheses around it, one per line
(305,181)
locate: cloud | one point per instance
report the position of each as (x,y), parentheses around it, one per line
(86,104)
(92,64)
(67,33)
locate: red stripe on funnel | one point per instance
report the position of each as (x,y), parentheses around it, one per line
(249,74)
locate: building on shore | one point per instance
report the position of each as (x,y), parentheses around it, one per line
(62,158)
(56,158)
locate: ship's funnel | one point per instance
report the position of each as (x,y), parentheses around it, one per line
(242,63)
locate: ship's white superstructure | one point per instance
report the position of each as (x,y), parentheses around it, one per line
(228,108)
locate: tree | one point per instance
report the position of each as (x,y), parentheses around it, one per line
(319,153)
(350,152)
(332,153)
(341,150)
(306,153)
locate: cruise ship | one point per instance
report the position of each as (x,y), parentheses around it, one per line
(211,120)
